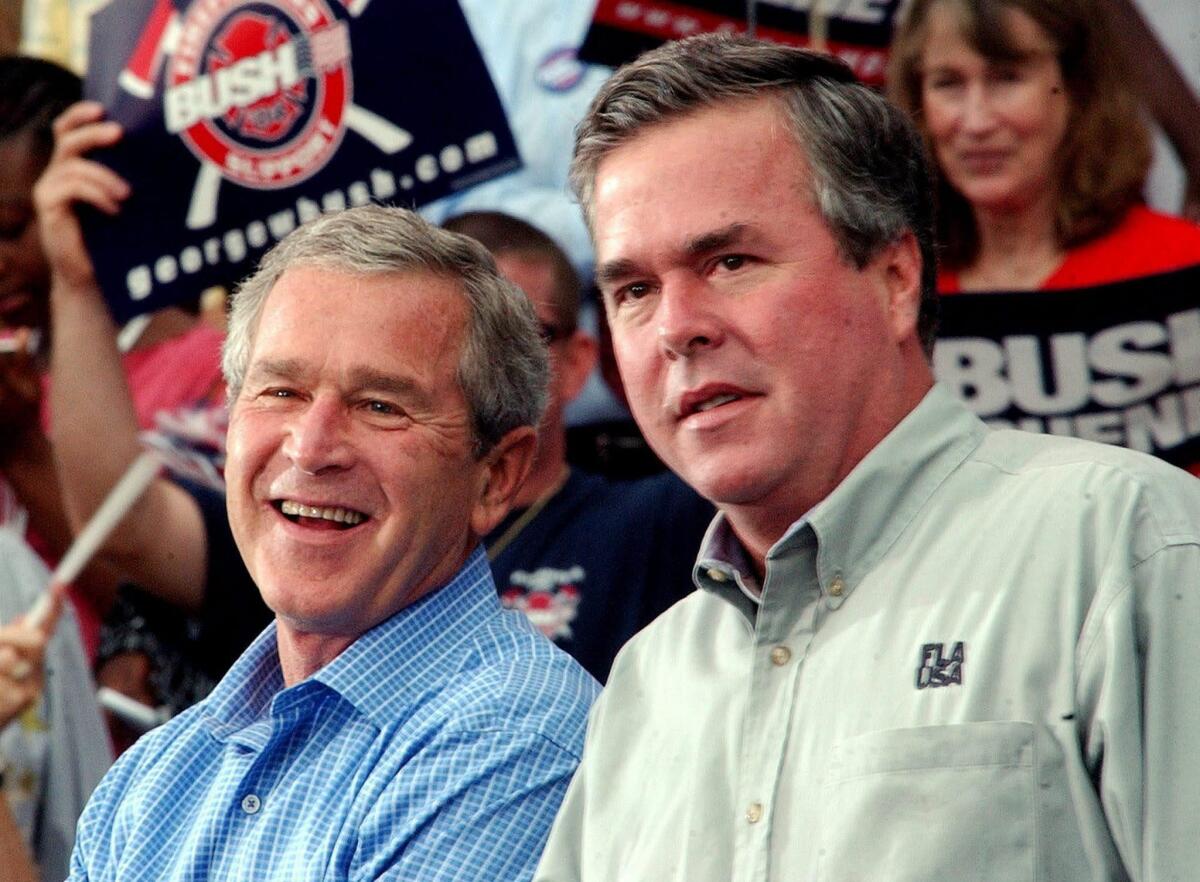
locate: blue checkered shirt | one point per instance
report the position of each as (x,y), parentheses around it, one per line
(437,746)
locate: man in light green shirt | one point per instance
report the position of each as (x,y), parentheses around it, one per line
(921,649)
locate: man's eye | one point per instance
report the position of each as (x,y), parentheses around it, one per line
(631,292)
(732,261)
(383,408)
(270,396)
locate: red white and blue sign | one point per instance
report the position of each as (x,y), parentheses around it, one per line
(245,118)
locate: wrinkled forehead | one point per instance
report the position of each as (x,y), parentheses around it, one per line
(344,285)
(707,169)
(769,111)
(400,309)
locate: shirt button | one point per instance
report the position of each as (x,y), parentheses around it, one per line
(837,586)
(780,655)
(251,804)
(717,575)
(754,813)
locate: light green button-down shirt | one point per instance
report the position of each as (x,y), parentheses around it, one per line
(978,659)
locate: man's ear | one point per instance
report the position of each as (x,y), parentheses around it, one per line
(900,263)
(505,468)
(578,359)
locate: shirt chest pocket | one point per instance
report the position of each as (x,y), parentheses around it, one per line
(932,802)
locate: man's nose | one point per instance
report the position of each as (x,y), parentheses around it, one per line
(317,437)
(687,319)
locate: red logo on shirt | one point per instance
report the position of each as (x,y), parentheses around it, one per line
(549,597)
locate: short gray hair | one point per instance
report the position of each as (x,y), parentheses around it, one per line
(503,368)
(870,175)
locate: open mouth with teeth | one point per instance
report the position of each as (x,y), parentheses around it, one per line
(715,401)
(319,517)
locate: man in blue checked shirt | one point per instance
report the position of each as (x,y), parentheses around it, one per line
(393,722)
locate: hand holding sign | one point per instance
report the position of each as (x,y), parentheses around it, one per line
(72,178)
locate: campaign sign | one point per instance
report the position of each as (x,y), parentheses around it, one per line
(856,31)
(1117,363)
(245,118)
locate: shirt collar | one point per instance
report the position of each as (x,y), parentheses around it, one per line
(245,692)
(381,673)
(386,670)
(865,514)
(722,565)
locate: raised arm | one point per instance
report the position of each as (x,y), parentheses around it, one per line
(161,543)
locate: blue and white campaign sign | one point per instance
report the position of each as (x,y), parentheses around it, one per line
(245,118)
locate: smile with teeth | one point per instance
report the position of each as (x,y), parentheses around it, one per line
(716,401)
(336,514)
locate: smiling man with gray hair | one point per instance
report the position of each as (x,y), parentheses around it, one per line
(921,649)
(393,722)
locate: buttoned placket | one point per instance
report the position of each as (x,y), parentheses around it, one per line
(783,631)
(288,710)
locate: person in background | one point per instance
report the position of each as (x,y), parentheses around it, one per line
(589,560)
(393,722)
(32,94)
(170,362)
(1041,156)
(53,745)
(920,649)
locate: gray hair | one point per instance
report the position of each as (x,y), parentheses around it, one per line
(870,176)
(503,369)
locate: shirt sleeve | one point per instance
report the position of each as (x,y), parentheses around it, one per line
(1142,714)
(78,870)
(101,832)
(472,805)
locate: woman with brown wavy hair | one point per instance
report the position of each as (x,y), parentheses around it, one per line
(1040,151)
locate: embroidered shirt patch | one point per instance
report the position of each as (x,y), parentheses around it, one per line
(936,668)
